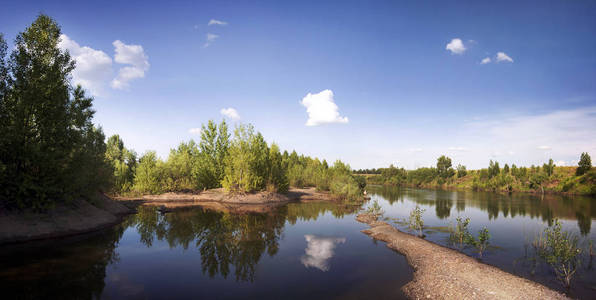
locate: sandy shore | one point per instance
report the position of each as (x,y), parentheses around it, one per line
(218,199)
(64,220)
(443,273)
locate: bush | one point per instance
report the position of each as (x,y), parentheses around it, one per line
(459,234)
(415,220)
(560,250)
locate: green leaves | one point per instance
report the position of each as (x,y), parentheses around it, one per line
(415,220)
(560,250)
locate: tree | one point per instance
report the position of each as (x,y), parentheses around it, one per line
(506,169)
(549,168)
(444,168)
(247,165)
(461,171)
(147,176)
(123,161)
(50,149)
(493,169)
(584,165)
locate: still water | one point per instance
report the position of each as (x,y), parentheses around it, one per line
(513,222)
(312,250)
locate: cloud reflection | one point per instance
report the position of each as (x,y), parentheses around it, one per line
(319,251)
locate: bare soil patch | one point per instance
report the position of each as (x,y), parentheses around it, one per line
(219,199)
(443,273)
(65,219)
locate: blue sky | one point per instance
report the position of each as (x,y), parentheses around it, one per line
(385,86)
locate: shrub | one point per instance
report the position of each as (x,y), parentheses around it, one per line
(481,242)
(375,210)
(459,234)
(560,250)
(415,221)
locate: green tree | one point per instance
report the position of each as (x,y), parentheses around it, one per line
(247,165)
(278,180)
(461,171)
(50,150)
(506,169)
(147,176)
(584,165)
(123,161)
(549,168)
(444,168)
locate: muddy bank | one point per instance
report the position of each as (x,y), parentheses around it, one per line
(65,219)
(218,199)
(443,273)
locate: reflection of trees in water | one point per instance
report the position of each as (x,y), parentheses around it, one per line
(74,268)
(544,207)
(227,241)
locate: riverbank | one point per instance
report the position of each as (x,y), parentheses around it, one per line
(443,273)
(82,216)
(64,220)
(220,200)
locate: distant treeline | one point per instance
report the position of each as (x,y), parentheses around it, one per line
(242,163)
(548,177)
(50,151)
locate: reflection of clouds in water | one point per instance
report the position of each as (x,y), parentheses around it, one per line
(319,251)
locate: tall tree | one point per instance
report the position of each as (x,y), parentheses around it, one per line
(444,168)
(48,140)
(584,165)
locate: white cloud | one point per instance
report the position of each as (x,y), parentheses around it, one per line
(415,150)
(319,250)
(501,56)
(321,109)
(561,163)
(210,39)
(529,138)
(132,55)
(230,113)
(195,131)
(456,46)
(93,67)
(485,61)
(217,22)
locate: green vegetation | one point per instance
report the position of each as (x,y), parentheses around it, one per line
(548,178)
(50,151)
(244,163)
(481,242)
(560,250)
(375,210)
(459,234)
(415,221)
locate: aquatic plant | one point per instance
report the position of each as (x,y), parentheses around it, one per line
(375,210)
(481,242)
(460,235)
(415,221)
(560,250)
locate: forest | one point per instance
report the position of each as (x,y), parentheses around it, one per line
(52,152)
(579,180)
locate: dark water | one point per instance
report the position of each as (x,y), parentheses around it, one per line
(302,250)
(513,222)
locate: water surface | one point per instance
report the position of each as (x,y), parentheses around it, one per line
(513,221)
(312,250)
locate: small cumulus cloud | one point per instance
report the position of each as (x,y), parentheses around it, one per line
(93,67)
(138,63)
(230,113)
(485,61)
(195,131)
(543,147)
(217,22)
(415,150)
(561,163)
(321,109)
(502,57)
(456,46)
(210,39)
